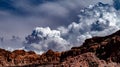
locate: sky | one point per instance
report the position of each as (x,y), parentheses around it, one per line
(20,17)
(40,25)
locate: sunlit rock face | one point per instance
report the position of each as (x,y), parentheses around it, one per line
(23,58)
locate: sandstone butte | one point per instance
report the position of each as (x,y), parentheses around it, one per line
(95,52)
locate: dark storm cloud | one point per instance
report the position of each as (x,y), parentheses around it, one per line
(117,4)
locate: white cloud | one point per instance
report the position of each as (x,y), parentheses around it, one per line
(54,14)
(96,20)
(44,36)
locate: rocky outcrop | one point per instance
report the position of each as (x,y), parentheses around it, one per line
(105,48)
(95,52)
(87,60)
(21,58)
(50,57)
(17,57)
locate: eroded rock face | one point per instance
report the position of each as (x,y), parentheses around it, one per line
(105,48)
(95,52)
(87,60)
(50,57)
(21,57)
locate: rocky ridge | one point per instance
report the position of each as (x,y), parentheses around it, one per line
(95,52)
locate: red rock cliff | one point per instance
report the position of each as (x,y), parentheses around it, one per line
(95,52)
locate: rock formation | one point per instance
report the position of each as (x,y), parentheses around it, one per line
(95,52)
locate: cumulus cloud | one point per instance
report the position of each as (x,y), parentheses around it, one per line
(19,17)
(24,15)
(95,20)
(46,36)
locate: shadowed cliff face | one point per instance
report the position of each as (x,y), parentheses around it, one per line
(96,51)
(106,48)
